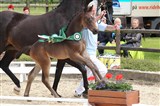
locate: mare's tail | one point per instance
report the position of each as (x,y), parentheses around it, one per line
(25,50)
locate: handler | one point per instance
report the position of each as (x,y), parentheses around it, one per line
(91,45)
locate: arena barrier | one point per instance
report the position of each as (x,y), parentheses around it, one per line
(24,67)
(75,100)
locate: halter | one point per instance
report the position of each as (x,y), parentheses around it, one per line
(61,37)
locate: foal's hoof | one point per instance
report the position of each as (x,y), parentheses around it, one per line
(27,100)
(57,96)
(16,90)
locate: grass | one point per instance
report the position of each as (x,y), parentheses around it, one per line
(143,65)
(151,43)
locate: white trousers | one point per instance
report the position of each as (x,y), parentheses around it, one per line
(101,67)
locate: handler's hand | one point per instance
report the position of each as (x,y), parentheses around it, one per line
(117,27)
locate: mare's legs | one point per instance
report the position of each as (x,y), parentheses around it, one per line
(4,64)
(59,68)
(58,73)
(31,77)
(83,70)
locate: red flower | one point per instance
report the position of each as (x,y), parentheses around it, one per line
(108,75)
(119,77)
(91,78)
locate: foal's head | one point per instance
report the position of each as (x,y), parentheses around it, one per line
(82,20)
(89,21)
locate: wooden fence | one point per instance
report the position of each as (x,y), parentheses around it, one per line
(118,48)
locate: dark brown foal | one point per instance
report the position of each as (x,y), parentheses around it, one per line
(72,49)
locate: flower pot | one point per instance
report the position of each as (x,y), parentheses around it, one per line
(112,98)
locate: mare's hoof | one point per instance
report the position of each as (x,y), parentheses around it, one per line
(56,95)
(16,90)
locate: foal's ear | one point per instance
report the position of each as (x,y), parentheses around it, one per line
(88,9)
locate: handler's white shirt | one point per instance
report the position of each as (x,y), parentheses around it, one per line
(91,39)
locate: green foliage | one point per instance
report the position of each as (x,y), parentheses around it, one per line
(153,42)
(24,58)
(143,65)
(120,86)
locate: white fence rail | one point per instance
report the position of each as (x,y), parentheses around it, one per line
(24,67)
(75,100)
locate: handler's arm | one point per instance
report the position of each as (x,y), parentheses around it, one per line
(104,27)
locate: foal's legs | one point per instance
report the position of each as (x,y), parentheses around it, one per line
(31,77)
(87,61)
(4,64)
(45,76)
(45,79)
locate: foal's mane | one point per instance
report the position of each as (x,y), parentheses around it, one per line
(74,16)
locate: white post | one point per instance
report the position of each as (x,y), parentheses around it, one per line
(23,76)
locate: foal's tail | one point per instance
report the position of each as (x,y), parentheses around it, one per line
(25,50)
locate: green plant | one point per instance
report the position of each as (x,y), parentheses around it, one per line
(118,85)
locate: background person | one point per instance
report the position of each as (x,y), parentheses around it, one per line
(10,7)
(118,22)
(26,10)
(132,39)
(108,7)
(104,38)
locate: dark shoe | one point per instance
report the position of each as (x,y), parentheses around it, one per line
(77,95)
(84,95)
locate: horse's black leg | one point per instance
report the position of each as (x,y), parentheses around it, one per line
(4,64)
(59,68)
(83,70)
(58,73)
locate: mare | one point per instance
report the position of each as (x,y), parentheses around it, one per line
(41,52)
(20,30)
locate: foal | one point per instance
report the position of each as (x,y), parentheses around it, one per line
(72,49)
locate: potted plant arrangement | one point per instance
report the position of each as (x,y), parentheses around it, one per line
(107,93)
